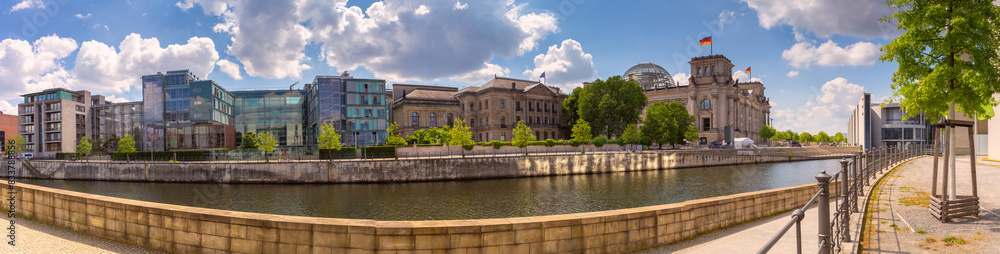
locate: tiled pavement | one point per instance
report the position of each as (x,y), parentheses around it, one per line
(34,237)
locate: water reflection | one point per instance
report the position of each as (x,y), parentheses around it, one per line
(513,197)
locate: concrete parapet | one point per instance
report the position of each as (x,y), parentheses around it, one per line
(182,229)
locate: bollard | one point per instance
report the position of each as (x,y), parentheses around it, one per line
(823,212)
(845,217)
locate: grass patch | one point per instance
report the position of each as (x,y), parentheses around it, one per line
(953,240)
(921,199)
(930,240)
(921,232)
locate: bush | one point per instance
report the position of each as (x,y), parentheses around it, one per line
(550,142)
(468,147)
(379,152)
(65,156)
(600,141)
(196,155)
(575,143)
(646,141)
(536,143)
(497,144)
(343,153)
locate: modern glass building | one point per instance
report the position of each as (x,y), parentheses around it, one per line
(357,108)
(279,112)
(182,112)
(112,121)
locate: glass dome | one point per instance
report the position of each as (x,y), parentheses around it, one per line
(650,76)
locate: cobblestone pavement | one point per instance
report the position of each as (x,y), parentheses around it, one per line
(901,223)
(34,237)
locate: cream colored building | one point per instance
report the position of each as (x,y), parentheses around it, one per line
(418,107)
(493,109)
(724,108)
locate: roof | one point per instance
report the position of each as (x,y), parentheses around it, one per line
(430,95)
(508,83)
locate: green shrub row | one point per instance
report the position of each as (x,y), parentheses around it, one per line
(198,155)
(343,153)
(65,156)
(379,152)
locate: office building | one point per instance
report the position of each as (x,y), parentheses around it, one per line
(723,108)
(873,125)
(113,120)
(357,108)
(8,129)
(182,112)
(279,112)
(52,120)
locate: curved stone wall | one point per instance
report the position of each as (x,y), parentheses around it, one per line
(182,229)
(404,170)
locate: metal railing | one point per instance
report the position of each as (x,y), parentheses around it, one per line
(860,171)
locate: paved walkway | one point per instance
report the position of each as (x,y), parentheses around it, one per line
(34,237)
(901,222)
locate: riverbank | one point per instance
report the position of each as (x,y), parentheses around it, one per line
(413,170)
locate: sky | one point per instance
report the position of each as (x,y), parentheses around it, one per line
(815,57)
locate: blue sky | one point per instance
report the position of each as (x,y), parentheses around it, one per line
(815,57)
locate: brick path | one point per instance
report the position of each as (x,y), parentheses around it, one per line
(34,237)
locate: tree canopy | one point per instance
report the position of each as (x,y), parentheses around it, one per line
(266,142)
(767,132)
(839,137)
(669,123)
(522,134)
(581,131)
(947,55)
(459,134)
(394,138)
(822,137)
(806,137)
(611,105)
(83,147)
(126,144)
(249,141)
(571,104)
(329,138)
(631,135)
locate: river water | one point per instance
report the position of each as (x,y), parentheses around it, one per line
(474,199)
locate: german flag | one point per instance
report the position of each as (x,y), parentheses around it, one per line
(706,41)
(748,70)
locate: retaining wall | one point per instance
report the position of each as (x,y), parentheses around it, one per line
(384,170)
(182,229)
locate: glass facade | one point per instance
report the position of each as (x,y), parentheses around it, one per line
(357,108)
(183,112)
(113,121)
(279,112)
(152,117)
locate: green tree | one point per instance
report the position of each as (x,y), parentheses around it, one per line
(669,123)
(266,142)
(250,141)
(631,135)
(611,105)
(329,138)
(581,131)
(522,134)
(767,132)
(460,134)
(792,136)
(394,138)
(806,137)
(781,136)
(947,56)
(839,137)
(83,147)
(126,144)
(571,106)
(19,144)
(822,137)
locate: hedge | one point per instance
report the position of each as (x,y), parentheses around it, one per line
(379,152)
(600,141)
(195,155)
(343,153)
(65,156)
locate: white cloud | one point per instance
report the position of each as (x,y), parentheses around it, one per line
(725,16)
(682,79)
(115,99)
(32,67)
(792,74)
(827,17)
(8,108)
(103,69)
(488,71)
(386,38)
(82,16)
(742,76)
(804,54)
(28,4)
(565,65)
(422,10)
(827,112)
(230,68)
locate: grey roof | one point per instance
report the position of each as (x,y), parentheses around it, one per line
(430,95)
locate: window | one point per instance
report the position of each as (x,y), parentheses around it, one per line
(517,119)
(451,120)
(713,68)
(501,103)
(472,122)
(706,124)
(503,136)
(699,69)
(503,122)
(538,120)
(414,119)
(908,133)
(706,104)
(892,133)
(433,120)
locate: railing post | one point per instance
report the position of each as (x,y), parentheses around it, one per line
(845,217)
(823,212)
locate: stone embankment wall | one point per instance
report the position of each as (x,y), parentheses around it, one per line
(401,170)
(181,229)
